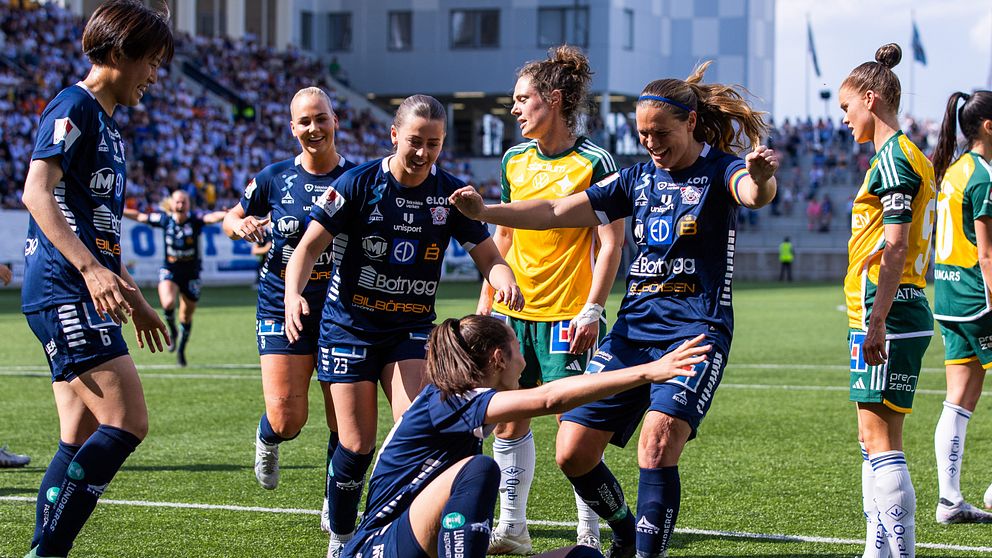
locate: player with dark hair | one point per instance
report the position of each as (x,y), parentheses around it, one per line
(76,292)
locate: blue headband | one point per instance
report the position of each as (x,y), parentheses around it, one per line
(672,102)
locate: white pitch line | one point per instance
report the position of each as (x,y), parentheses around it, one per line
(547,523)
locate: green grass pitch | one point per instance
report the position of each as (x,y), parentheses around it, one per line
(777,456)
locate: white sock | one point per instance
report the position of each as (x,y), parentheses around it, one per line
(876,544)
(516,460)
(948,443)
(588,519)
(896,501)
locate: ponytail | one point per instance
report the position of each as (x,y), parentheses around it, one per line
(724,119)
(977,108)
(460,352)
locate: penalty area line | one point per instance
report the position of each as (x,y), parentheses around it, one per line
(547,523)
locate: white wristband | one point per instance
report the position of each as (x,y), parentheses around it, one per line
(591,313)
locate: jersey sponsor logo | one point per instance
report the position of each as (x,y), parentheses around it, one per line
(681,398)
(691,383)
(404,251)
(65,131)
(896,203)
(288,226)
(432,253)
(30,246)
(408,218)
(370,279)
(105,221)
(250,189)
(858,363)
(546,166)
(310,187)
(660,231)
(909,293)
(985,342)
(646,266)
(330,201)
(376,215)
(641,200)
(288,199)
(439,215)
(639,231)
(947,275)
(375,247)
(103,147)
(51,348)
(561,340)
(687,225)
(691,195)
(666,203)
(411,204)
(377,192)
(407,228)
(859,221)
(645,526)
(103,182)
(288,180)
(362,302)
(437,200)
(663,287)
(608,180)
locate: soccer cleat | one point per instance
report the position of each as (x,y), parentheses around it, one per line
(988,498)
(949,514)
(181,357)
(501,542)
(266,463)
(10,460)
(337,543)
(621,551)
(588,538)
(325,517)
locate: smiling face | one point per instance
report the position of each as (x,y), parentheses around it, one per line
(535,116)
(418,143)
(668,140)
(133,77)
(180,203)
(314,124)
(857,112)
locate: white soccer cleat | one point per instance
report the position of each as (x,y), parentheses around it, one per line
(337,543)
(949,514)
(325,517)
(10,460)
(988,498)
(588,538)
(266,463)
(501,542)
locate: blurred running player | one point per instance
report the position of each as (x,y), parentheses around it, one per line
(961,280)
(180,272)
(76,293)
(889,319)
(284,194)
(432,492)
(8,458)
(684,208)
(388,223)
(565,274)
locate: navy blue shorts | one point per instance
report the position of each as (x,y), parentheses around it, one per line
(683,397)
(186,276)
(270,335)
(76,338)
(347,364)
(395,540)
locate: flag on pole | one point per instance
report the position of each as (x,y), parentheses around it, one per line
(919,54)
(812,48)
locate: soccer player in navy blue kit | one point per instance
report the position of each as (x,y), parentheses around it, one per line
(180,272)
(432,492)
(388,223)
(684,208)
(76,293)
(283,193)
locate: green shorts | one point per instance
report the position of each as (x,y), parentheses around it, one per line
(545,349)
(892,383)
(966,342)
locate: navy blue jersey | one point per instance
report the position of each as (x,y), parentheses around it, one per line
(287,191)
(182,240)
(684,225)
(389,243)
(432,435)
(75,128)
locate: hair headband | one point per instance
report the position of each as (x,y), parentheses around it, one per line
(672,102)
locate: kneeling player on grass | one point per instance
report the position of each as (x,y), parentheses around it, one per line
(432,493)
(684,204)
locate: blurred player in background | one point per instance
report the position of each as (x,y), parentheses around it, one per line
(76,292)
(9,459)
(889,318)
(963,275)
(565,274)
(180,272)
(277,203)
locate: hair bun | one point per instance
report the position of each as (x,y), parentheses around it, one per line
(888,55)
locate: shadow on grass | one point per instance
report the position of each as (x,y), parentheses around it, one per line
(14,491)
(208,467)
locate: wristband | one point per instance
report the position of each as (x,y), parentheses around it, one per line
(591,313)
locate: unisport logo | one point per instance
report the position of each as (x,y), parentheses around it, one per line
(453,520)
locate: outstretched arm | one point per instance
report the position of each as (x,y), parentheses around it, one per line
(503,239)
(759,188)
(498,273)
(570,212)
(215,216)
(135,215)
(237,225)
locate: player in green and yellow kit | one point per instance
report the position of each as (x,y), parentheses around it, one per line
(890,323)
(962,278)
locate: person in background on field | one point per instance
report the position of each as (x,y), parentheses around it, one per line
(785,257)
(9,459)
(889,318)
(962,279)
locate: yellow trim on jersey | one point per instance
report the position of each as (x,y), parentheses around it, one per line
(896,408)
(553,267)
(963,361)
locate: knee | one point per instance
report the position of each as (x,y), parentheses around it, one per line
(482,473)
(575,460)
(139,428)
(287,423)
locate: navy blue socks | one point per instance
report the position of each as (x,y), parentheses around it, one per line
(268,435)
(332,445)
(601,491)
(467,517)
(51,483)
(344,490)
(659,492)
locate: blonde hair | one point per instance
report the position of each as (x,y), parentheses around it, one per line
(313,92)
(878,75)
